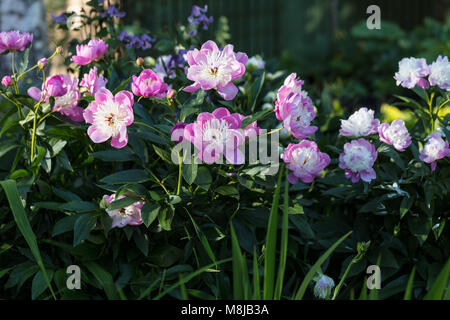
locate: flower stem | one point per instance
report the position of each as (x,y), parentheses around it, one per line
(179,174)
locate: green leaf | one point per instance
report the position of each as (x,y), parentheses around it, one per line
(39,284)
(126,176)
(149,212)
(203,179)
(409,287)
(258,116)
(64,225)
(241,284)
(105,279)
(254,91)
(82,227)
(24,226)
(189,171)
(164,45)
(122,203)
(78,206)
(163,154)
(122,85)
(114,155)
(165,218)
(228,191)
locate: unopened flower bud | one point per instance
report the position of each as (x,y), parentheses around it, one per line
(140,62)
(171,94)
(6,81)
(42,63)
(150,61)
(59,50)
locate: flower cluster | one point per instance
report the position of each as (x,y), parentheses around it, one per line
(143,42)
(198,17)
(14,41)
(93,51)
(112,12)
(212,68)
(412,71)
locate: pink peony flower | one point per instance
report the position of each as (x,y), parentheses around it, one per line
(215,134)
(64,89)
(6,81)
(296,111)
(109,117)
(14,40)
(305,160)
(93,51)
(130,215)
(292,85)
(177,132)
(440,73)
(92,82)
(211,68)
(360,124)
(411,72)
(357,160)
(395,134)
(149,84)
(435,148)
(252,130)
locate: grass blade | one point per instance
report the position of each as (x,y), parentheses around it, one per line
(256,288)
(271,244)
(440,284)
(240,273)
(24,226)
(316,266)
(409,287)
(284,242)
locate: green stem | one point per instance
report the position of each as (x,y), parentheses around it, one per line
(179,174)
(338,287)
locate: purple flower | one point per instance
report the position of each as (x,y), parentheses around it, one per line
(6,81)
(395,134)
(143,42)
(14,40)
(93,82)
(109,117)
(166,66)
(435,148)
(211,68)
(305,160)
(93,51)
(198,17)
(357,160)
(217,133)
(60,19)
(149,84)
(412,72)
(440,73)
(130,215)
(360,124)
(113,12)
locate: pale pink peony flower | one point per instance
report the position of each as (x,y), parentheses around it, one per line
(65,90)
(435,148)
(357,160)
(440,73)
(148,84)
(360,124)
(14,40)
(305,160)
(217,133)
(291,85)
(412,72)
(395,134)
(93,51)
(109,117)
(211,68)
(6,81)
(93,82)
(130,215)
(296,111)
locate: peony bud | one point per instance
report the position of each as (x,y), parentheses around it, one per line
(140,62)
(42,63)
(59,50)
(6,81)
(171,94)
